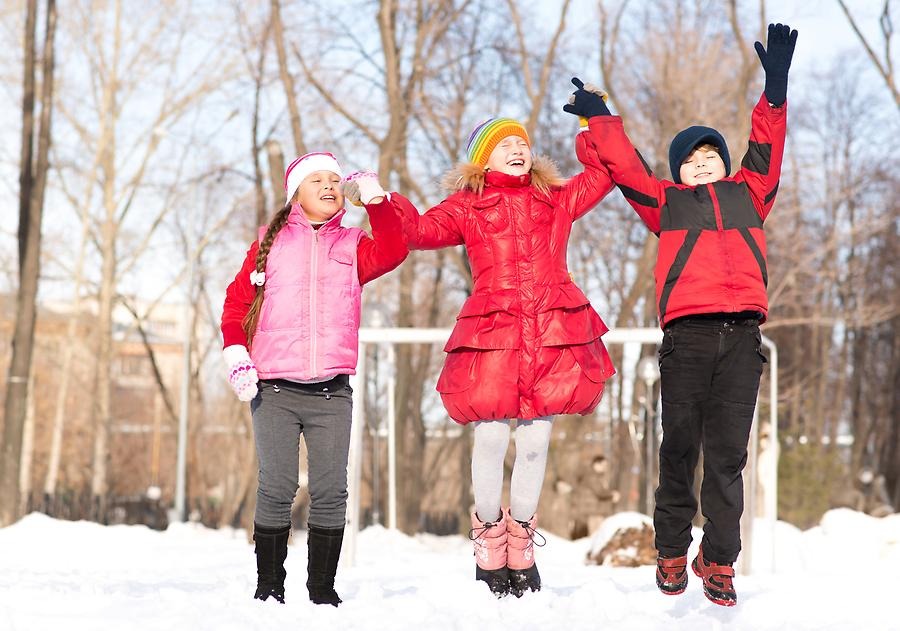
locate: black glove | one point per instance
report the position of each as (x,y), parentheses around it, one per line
(777,60)
(586,103)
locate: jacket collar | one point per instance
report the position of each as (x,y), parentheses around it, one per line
(504,180)
(466,176)
(298,217)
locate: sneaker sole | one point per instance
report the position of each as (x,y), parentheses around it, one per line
(718,601)
(680,591)
(671,592)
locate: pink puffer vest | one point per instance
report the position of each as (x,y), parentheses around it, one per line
(309,324)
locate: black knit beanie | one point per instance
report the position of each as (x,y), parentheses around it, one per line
(685,142)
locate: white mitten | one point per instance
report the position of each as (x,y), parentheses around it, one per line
(362,187)
(241,372)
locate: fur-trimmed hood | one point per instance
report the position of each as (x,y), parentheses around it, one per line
(466,176)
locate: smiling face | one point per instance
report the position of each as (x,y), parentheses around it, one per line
(320,196)
(703,165)
(512,156)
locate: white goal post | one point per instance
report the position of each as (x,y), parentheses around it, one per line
(392,336)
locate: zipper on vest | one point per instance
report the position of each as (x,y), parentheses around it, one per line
(314,285)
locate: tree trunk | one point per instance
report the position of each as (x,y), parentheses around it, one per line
(32,181)
(62,393)
(290,92)
(259,72)
(23,335)
(108,234)
(276,173)
(27,449)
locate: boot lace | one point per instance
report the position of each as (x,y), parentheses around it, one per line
(532,533)
(479,531)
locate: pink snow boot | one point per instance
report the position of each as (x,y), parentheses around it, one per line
(490,554)
(523,572)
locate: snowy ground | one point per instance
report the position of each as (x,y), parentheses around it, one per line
(57,575)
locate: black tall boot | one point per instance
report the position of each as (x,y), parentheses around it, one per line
(324,552)
(271,551)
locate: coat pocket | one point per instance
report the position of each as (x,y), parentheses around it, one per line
(594,361)
(344,253)
(487,322)
(541,209)
(491,214)
(338,284)
(667,346)
(759,345)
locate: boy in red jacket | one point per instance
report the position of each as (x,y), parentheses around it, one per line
(711,281)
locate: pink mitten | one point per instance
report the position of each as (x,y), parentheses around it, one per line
(362,187)
(241,372)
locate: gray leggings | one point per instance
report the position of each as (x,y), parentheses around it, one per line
(488,454)
(321,412)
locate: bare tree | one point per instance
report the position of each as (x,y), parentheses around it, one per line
(32,183)
(287,80)
(884,63)
(120,48)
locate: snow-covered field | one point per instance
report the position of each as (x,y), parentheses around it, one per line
(72,576)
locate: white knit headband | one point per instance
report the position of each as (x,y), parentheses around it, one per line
(304,165)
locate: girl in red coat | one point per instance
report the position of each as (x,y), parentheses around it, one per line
(526,344)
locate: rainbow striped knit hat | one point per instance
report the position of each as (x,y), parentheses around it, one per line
(488,134)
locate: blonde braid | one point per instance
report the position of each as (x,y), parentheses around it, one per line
(252,318)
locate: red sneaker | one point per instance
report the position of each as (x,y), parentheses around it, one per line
(717,584)
(671,575)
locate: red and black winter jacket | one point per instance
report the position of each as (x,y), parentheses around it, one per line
(712,248)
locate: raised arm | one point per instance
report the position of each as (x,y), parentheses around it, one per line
(761,166)
(606,142)
(584,191)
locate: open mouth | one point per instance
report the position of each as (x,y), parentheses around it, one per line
(518,162)
(328,198)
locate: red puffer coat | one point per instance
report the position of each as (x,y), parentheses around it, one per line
(526,342)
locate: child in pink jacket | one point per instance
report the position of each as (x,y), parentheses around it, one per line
(290,326)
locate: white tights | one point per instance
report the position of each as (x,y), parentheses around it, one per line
(489,451)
